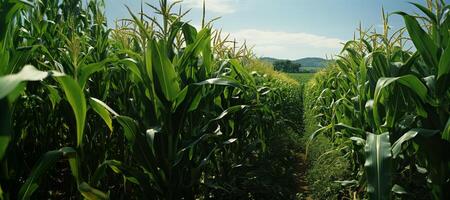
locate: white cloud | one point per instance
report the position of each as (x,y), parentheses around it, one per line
(215,6)
(291,45)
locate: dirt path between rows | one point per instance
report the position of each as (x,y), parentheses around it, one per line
(302,181)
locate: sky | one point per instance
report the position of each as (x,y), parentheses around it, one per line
(288,29)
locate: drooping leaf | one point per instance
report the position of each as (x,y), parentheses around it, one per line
(9,82)
(132,66)
(230,110)
(47,161)
(189,33)
(410,81)
(396,147)
(318,131)
(103,110)
(356,131)
(85,71)
(76,99)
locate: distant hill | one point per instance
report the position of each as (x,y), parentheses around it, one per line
(306,62)
(312,62)
(271,60)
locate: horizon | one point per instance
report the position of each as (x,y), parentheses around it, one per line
(310,57)
(285,29)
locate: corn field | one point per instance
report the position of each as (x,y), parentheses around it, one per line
(157,108)
(386,107)
(153,109)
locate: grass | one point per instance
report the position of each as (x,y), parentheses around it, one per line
(324,164)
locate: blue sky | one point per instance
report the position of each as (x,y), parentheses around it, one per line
(285,28)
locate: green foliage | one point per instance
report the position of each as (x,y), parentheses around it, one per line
(153,109)
(287,66)
(395,103)
(302,77)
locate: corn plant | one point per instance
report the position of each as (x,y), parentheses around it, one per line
(389,106)
(152,109)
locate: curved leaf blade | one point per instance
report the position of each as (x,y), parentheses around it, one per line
(77,101)
(9,82)
(44,164)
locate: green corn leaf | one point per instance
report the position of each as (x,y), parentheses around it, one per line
(193,50)
(165,72)
(77,101)
(422,41)
(91,193)
(189,33)
(396,147)
(444,62)
(397,189)
(148,60)
(118,168)
(47,161)
(241,72)
(104,111)
(85,71)
(132,66)
(223,81)
(356,131)
(10,82)
(378,166)
(410,81)
(230,110)
(195,101)
(180,98)
(446,132)
(318,131)
(53,95)
(208,55)
(130,128)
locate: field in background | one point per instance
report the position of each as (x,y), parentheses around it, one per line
(301,77)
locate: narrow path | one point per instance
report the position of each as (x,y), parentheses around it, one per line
(302,169)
